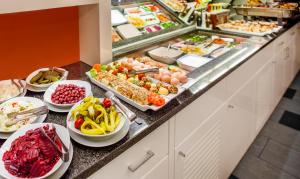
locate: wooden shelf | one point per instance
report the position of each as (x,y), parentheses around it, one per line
(13,6)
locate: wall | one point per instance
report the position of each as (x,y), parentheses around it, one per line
(38,39)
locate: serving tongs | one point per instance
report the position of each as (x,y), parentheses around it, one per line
(123,109)
(64,153)
(149,70)
(19,85)
(20,116)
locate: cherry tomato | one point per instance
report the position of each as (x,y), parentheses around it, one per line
(121,68)
(147,86)
(79,121)
(106,102)
(115,72)
(141,75)
(156,99)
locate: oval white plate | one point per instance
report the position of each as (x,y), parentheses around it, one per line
(101,143)
(21,94)
(70,125)
(44,86)
(35,102)
(34,89)
(57,109)
(61,131)
(52,88)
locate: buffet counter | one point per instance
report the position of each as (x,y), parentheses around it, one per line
(214,121)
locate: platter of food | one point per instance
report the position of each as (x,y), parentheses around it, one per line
(258,28)
(11,88)
(41,79)
(29,154)
(135,11)
(101,114)
(115,36)
(175,5)
(16,105)
(153,28)
(64,94)
(144,91)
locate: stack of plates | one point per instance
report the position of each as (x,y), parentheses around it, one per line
(64,108)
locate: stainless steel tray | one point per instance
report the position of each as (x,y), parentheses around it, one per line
(265,12)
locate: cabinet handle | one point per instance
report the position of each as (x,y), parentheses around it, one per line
(148,156)
(230,106)
(182,154)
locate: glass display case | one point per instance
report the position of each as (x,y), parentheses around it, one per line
(137,24)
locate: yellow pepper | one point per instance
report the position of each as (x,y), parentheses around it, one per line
(95,128)
(117,122)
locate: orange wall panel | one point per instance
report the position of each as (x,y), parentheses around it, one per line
(32,40)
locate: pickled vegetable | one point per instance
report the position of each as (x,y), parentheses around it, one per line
(98,118)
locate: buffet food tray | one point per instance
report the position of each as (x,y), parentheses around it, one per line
(265,11)
(250,33)
(167,98)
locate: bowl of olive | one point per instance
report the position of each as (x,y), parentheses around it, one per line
(45,77)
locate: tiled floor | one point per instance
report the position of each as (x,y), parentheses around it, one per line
(275,153)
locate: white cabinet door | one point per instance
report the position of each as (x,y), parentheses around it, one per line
(237,127)
(160,171)
(144,159)
(198,156)
(265,94)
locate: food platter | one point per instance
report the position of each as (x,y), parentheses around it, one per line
(86,87)
(141,18)
(101,143)
(257,28)
(144,91)
(41,86)
(16,105)
(12,88)
(61,131)
(103,105)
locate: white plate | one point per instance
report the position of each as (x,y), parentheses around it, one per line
(21,94)
(117,18)
(34,101)
(165,55)
(57,109)
(62,132)
(70,125)
(191,62)
(101,143)
(44,86)
(52,88)
(64,167)
(127,31)
(34,89)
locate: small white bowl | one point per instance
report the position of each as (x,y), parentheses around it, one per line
(71,121)
(45,86)
(52,88)
(61,131)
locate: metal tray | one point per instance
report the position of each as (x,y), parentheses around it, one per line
(265,12)
(167,98)
(250,33)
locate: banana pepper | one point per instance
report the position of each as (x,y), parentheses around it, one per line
(89,127)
